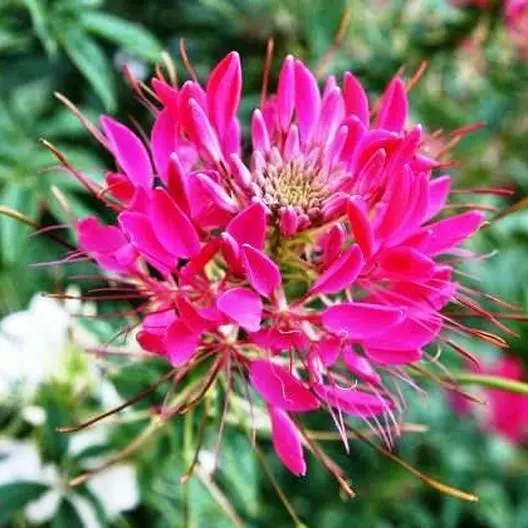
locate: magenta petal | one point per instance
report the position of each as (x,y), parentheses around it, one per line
(360,366)
(361,320)
(353,402)
(393,357)
(177,184)
(216,193)
(224,87)
(448,233)
(328,350)
(139,228)
(172,226)
(438,192)
(163,142)
(287,441)
(262,273)
(393,112)
(341,274)
(406,262)
(259,132)
(281,389)
(360,224)
(180,343)
(129,151)
(286,92)
(249,226)
(205,134)
(243,306)
(94,236)
(307,101)
(409,334)
(356,101)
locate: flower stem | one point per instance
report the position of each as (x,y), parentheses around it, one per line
(492,382)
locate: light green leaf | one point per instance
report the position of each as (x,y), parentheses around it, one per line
(13,233)
(132,37)
(14,496)
(92,62)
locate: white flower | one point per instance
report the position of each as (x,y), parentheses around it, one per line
(32,342)
(116,488)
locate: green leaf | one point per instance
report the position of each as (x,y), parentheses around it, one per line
(13,234)
(38,18)
(132,37)
(66,516)
(87,55)
(14,496)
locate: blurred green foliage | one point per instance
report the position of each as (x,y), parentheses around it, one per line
(78,47)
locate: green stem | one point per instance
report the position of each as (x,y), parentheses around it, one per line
(492,382)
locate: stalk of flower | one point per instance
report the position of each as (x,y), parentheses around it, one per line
(314,270)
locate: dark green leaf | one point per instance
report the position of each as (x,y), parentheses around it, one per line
(91,61)
(14,496)
(132,37)
(66,516)
(38,14)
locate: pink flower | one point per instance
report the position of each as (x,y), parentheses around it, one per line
(516,14)
(507,414)
(315,267)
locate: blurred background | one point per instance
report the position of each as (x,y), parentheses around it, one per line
(50,372)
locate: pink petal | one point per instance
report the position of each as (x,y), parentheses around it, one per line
(243,306)
(394,108)
(94,236)
(168,95)
(341,274)
(361,320)
(216,193)
(180,343)
(286,92)
(360,366)
(223,91)
(241,173)
(172,226)
(353,402)
(406,262)
(356,101)
(279,388)
(332,243)
(129,152)
(205,134)
(361,226)
(163,142)
(287,441)
(410,334)
(120,186)
(288,221)
(177,183)
(448,233)
(249,226)
(259,132)
(262,273)
(278,340)
(139,228)
(307,101)
(438,192)
(328,350)
(394,357)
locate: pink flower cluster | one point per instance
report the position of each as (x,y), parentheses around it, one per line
(312,263)
(506,413)
(515,16)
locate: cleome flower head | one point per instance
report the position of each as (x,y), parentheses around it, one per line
(313,264)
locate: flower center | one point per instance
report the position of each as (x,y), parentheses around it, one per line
(293,183)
